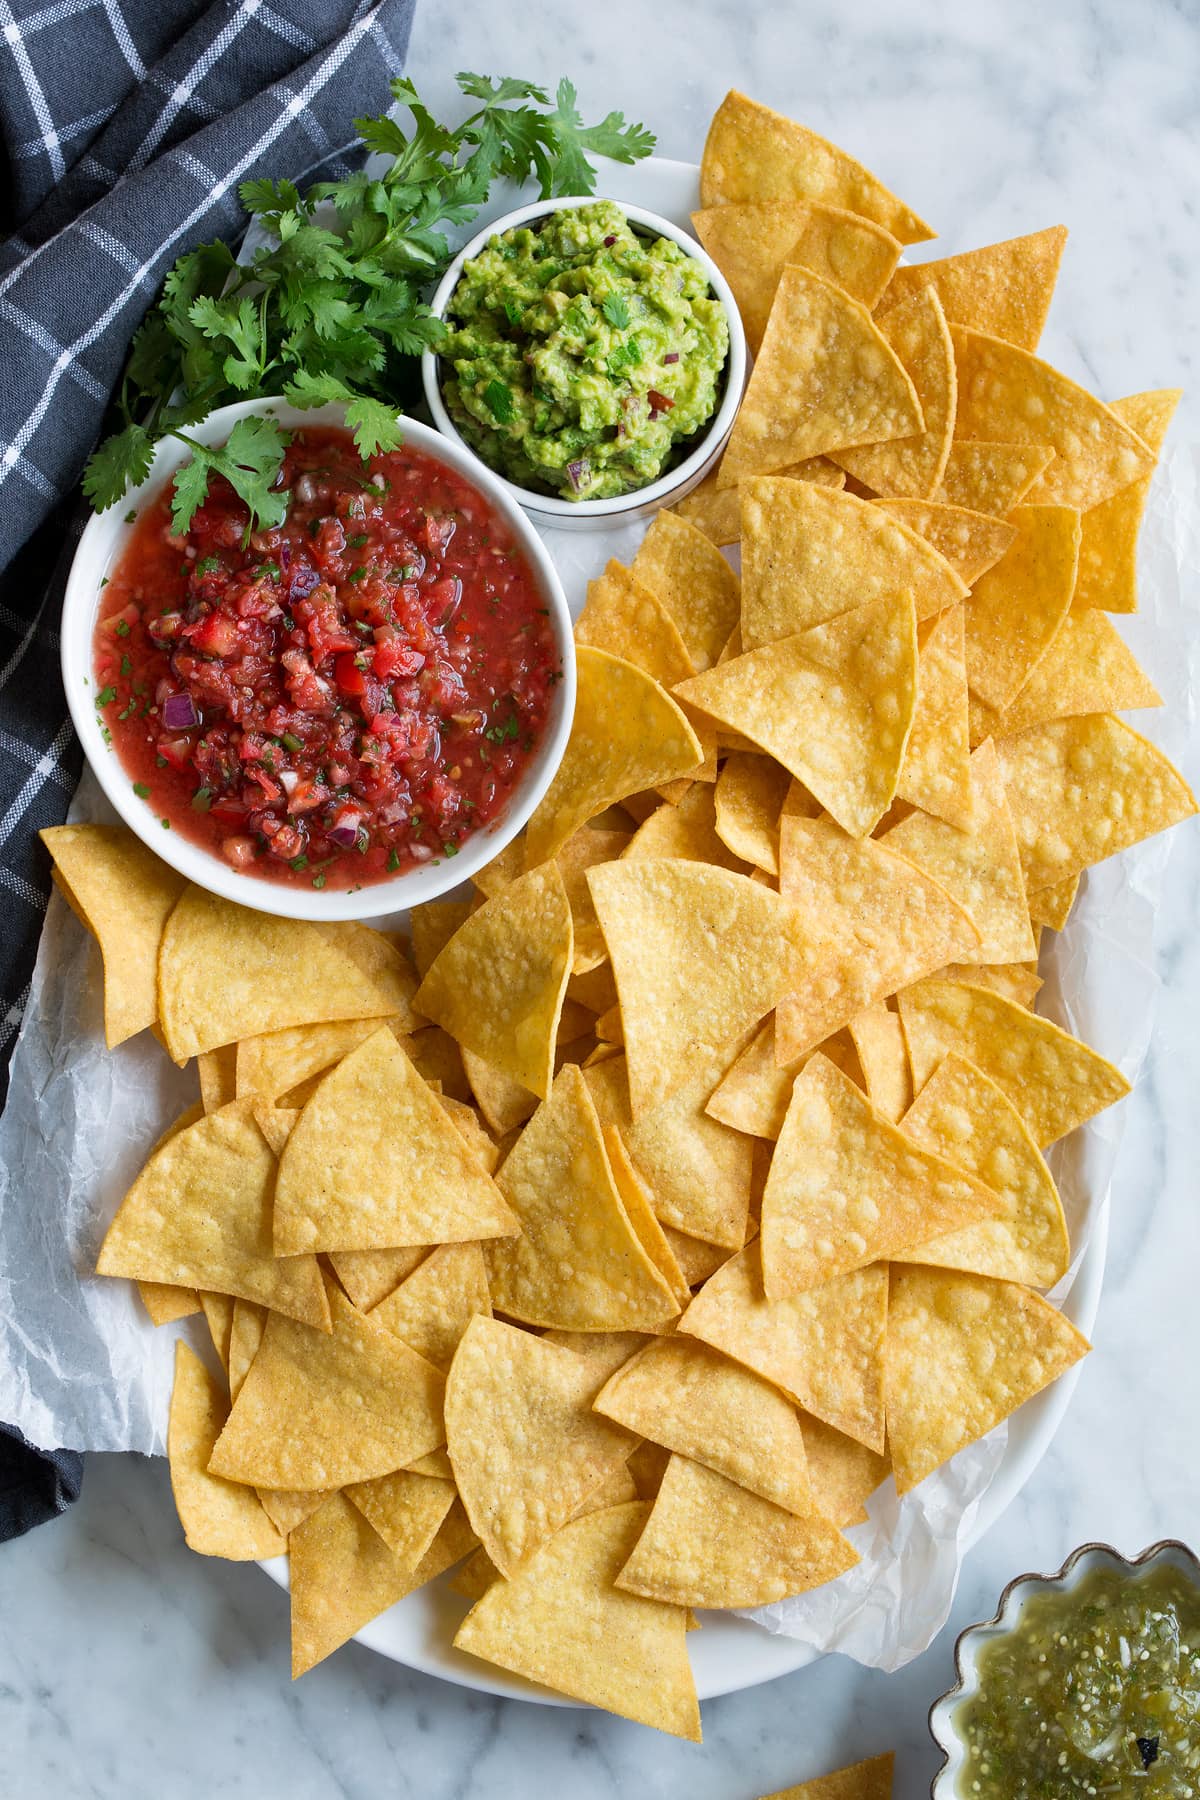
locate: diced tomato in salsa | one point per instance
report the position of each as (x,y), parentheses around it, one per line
(342,697)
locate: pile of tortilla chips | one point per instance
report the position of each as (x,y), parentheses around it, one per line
(689,1180)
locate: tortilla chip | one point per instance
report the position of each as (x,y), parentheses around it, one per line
(435,1464)
(585,847)
(382,956)
(219,1518)
(754,1093)
(1085,789)
(1052,905)
(525,1446)
(843,1474)
(627,734)
(875,922)
(369,1276)
(1088,668)
(826,378)
(697,1169)
(579,1263)
(199,1215)
(124,895)
(1108,545)
(879,1040)
(374,1162)
(991,477)
(438,1060)
(935,774)
(406,1510)
(218,1316)
(688,1397)
(562,1622)
(272,1064)
(963,1352)
(810,554)
(709,1542)
(1003,289)
(1009,395)
(1054,1080)
(717,511)
(696,1259)
(692,581)
(1017,608)
(749,797)
(504,1102)
(914,466)
(217,1070)
(661,920)
(470,1128)
(823,1347)
(754,154)
(751,243)
(834,705)
(433,1306)
(864,1781)
(318,1411)
(966,1118)
(638,1200)
(245,1336)
(225,973)
(847,1188)
(343,1575)
(1018,981)
(478,1573)
(630,621)
(165,1302)
(435,923)
(687,831)
(498,985)
(971,542)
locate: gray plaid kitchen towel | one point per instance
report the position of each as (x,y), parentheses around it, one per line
(125,127)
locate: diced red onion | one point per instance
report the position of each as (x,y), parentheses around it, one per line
(179,713)
(306,490)
(609,242)
(576,472)
(344,836)
(420,852)
(671,357)
(285,550)
(289,780)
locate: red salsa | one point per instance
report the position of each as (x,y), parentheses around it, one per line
(338,698)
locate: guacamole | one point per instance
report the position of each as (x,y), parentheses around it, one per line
(581,358)
(1095,1691)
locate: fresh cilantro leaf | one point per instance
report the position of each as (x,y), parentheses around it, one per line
(249,460)
(615,308)
(121,459)
(141,790)
(499,397)
(507,87)
(375,426)
(572,172)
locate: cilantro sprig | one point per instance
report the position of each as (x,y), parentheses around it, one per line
(334,307)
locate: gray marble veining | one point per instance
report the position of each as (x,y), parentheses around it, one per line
(129,1667)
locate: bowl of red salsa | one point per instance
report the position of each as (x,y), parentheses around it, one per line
(338,716)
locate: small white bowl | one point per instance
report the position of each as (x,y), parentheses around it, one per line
(975,1638)
(642,503)
(100,548)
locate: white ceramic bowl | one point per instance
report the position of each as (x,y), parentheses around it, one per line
(100,548)
(975,1638)
(642,503)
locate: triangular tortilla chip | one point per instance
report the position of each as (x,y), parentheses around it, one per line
(630,621)
(1009,395)
(374,1162)
(498,985)
(525,1445)
(696,1259)
(469,1126)
(245,1336)
(478,1573)
(979,867)
(433,1306)
(843,1474)
(748,800)
(124,895)
(217,1070)
(991,477)
(661,921)
(638,1200)
(369,1276)
(627,735)
(970,541)
(823,1347)
(435,923)
(753,1095)
(1089,668)
(709,1542)
(846,1188)
(878,1038)
(825,378)
(1004,289)
(698,1170)
(753,153)
(165,1302)
(561,1621)
(688,1397)
(218,1316)
(1055,1081)
(1108,545)
(914,466)
(219,1518)
(864,1781)
(750,244)
(1016,981)
(226,973)
(579,1263)
(875,922)
(935,774)
(693,581)
(1018,607)
(343,1575)
(687,830)
(1084,789)
(319,1411)
(963,1352)
(589,845)
(199,1215)
(1052,905)
(717,511)
(966,1118)
(834,705)
(504,1102)
(406,1510)
(810,553)
(383,957)
(288,1507)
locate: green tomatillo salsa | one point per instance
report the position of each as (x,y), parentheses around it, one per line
(1096,1691)
(581,357)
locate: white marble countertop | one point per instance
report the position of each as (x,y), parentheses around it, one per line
(129,1667)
